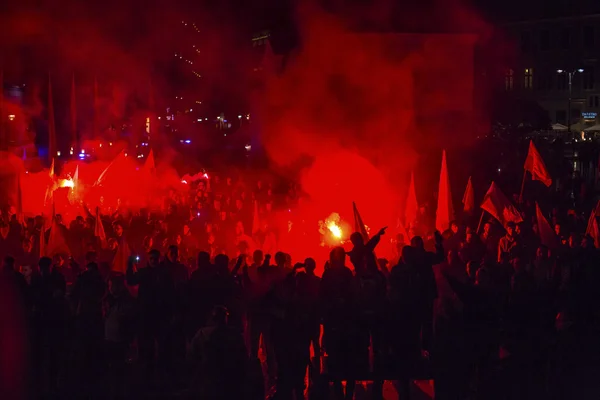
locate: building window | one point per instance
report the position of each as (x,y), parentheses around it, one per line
(545,40)
(561,116)
(525,41)
(593,102)
(509,79)
(589,36)
(588,78)
(565,39)
(528,78)
(561,82)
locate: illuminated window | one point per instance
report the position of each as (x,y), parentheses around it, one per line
(509,79)
(528,81)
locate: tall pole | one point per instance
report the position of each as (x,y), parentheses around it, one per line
(569,102)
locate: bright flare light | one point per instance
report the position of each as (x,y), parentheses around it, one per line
(334,229)
(331,227)
(66,183)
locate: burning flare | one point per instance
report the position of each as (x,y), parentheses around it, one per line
(331,228)
(66,183)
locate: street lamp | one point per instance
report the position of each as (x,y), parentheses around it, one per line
(570,80)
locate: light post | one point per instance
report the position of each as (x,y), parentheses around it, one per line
(570,81)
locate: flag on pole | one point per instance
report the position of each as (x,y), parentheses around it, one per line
(445,210)
(51,124)
(56,242)
(496,203)
(122,257)
(547,235)
(50,188)
(103,174)
(99,228)
(149,165)
(255,219)
(359,225)
(535,165)
(412,206)
(20,215)
(74,192)
(73,114)
(51,172)
(469,198)
(592,227)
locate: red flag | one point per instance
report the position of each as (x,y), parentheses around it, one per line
(359,225)
(56,242)
(149,165)
(99,228)
(592,226)
(122,257)
(2,139)
(535,165)
(412,206)
(73,114)
(496,203)
(547,235)
(51,125)
(255,219)
(469,198)
(445,210)
(103,174)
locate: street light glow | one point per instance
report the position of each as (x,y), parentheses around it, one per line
(580,70)
(560,71)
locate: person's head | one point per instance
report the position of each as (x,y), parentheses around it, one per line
(472,268)
(220,316)
(45,263)
(487,227)
(482,277)
(454,227)
(510,228)
(239,204)
(280,259)
(337,257)
(239,228)
(557,229)
(223,215)
(574,240)
(408,254)
(310,265)
(417,243)
(269,206)
(178,239)
(118,228)
(153,258)
(469,236)
(258,257)
(452,257)
(112,244)
(116,285)
(357,239)
(203,259)
(517,264)
(26,244)
(9,263)
(541,252)
(27,270)
(173,253)
(186,230)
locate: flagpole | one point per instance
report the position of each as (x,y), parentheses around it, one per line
(522,187)
(480,221)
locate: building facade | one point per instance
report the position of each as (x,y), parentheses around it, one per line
(557,60)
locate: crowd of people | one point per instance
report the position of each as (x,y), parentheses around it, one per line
(206,306)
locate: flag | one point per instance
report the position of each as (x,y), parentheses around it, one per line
(74,192)
(592,226)
(535,165)
(547,235)
(51,125)
(359,225)
(56,242)
(412,206)
(149,165)
(445,210)
(469,198)
(255,219)
(2,139)
(103,174)
(20,199)
(496,203)
(122,257)
(50,188)
(99,228)
(73,114)
(51,172)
